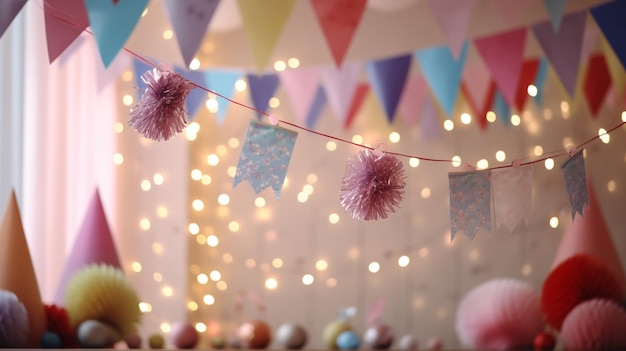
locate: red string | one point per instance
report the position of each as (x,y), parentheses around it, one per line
(263,113)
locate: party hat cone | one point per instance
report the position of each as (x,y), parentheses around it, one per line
(590,235)
(94,244)
(17,273)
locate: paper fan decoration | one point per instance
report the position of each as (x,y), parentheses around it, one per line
(596,324)
(13,321)
(578,279)
(103,293)
(373,185)
(160,114)
(499,314)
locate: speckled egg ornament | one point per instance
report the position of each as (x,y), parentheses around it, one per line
(160,114)
(13,321)
(254,335)
(596,324)
(184,335)
(291,336)
(373,185)
(378,337)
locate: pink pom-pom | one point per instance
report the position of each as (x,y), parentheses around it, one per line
(160,113)
(499,314)
(373,185)
(596,324)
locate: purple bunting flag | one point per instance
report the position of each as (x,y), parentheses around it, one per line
(512,195)
(317,106)
(265,157)
(470,202)
(196,97)
(576,182)
(190,20)
(262,89)
(388,77)
(8,10)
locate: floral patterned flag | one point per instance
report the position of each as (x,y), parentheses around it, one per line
(576,182)
(511,194)
(470,202)
(265,157)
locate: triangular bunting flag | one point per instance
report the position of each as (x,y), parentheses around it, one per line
(263,22)
(223,83)
(65,20)
(112,22)
(93,244)
(442,73)
(530,68)
(563,48)
(575,179)
(618,75)
(597,83)
(190,20)
(412,99)
(8,10)
(265,157)
(316,108)
(339,20)
(476,80)
(388,77)
(512,195)
(17,274)
(197,96)
(302,87)
(359,96)
(262,89)
(453,16)
(501,108)
(610,19)
(106,75)
(590,41)
(540,80)
(470,203)
(340,85)
(430,125)
(555,10)
(503,55)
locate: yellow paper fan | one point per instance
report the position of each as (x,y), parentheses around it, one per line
(103,293)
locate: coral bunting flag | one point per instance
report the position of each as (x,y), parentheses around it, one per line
(65,20)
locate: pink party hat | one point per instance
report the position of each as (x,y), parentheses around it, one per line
(17,273)
(94,244)
(590,235)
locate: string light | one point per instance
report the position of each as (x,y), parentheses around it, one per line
(448,125)
(466,118)
(532,90)
(403,261)
(333,218)
(308,279)
(554,222)
(374,267)
(168,34)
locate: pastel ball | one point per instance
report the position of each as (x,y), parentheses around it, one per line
(348,340)
(255,335)
(156,341)
(378,337)
(291,336)
(96,334)
(217,342)
(184,335)
(50,340)
(408,342)
(133,341)
(332,331)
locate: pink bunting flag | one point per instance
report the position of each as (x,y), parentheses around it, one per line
(475,84)
(590,41)
(503,54)
(301,85)
(563,48)
(453,17)
(412,99)
(511,11)
(512,195)
(340,85)
(8,10)
(65,20)
(190,20)
(339,20)
(430,125)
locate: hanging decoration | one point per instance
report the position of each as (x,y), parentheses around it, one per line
(512,195)
(576,182)
(373,185)
(388,78)
(265,157)
(59,36)
(470,203)
(8,10)
(160,114)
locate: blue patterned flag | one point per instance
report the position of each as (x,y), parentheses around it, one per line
(265,157)
(470,202)
(576,182)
